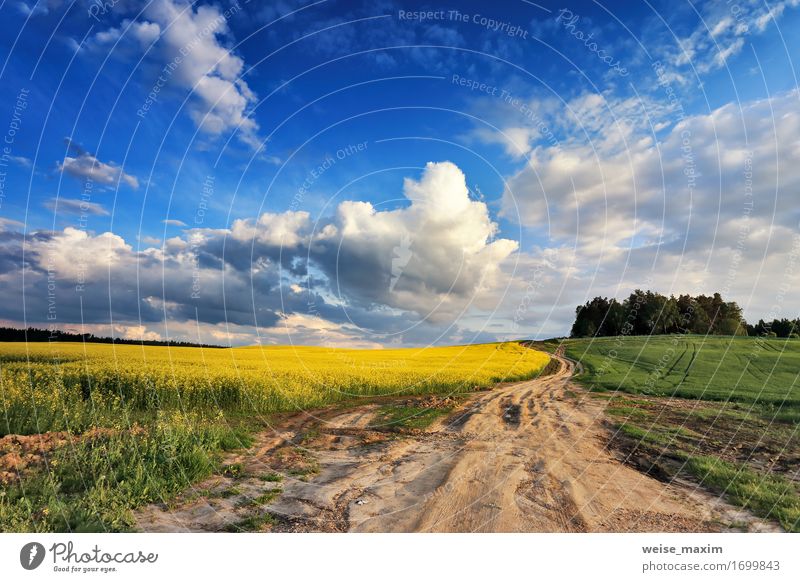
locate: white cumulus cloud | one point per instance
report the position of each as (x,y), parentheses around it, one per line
(434,256)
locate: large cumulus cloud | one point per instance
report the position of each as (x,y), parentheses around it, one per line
(432,256)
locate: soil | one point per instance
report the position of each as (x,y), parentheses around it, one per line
(733,432)
(531,456)
(22,453)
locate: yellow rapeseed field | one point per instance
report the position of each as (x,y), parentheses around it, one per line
(140,424)
(73,386)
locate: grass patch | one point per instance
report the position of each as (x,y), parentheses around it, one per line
(271,477)
(410,417)
(93,485)
(649,435)
(262,499)
(627,412)
(267,497)
(228,492)
(304,473)
(252,523)
(769,496)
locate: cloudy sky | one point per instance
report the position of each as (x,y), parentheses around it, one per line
(391,173)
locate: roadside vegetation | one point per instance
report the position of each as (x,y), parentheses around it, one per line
(90,431)
(721,411)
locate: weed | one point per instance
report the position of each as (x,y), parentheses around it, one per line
(252,523)
(271,477)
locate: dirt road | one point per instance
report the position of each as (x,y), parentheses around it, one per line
(525,457)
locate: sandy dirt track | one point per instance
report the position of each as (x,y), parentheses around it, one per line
(525,457)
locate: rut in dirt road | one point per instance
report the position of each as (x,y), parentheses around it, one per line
(525,457)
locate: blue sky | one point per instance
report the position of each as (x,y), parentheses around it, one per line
(375,173)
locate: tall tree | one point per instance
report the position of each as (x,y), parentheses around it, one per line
(648,312)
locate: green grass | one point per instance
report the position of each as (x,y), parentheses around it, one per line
(272,477)
(722,410)
(626,412)
(262,499)
(92,485)
(252,523)
(265,498)
(766,495)
(228,492)
(304,473)
(737,369)
(410,417)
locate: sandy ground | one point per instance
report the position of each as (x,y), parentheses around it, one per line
(524,457)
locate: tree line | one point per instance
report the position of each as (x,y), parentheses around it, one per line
(32,334)
(650,313)
(776,328)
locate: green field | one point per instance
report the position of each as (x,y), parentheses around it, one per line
(724,411)
(737,369)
